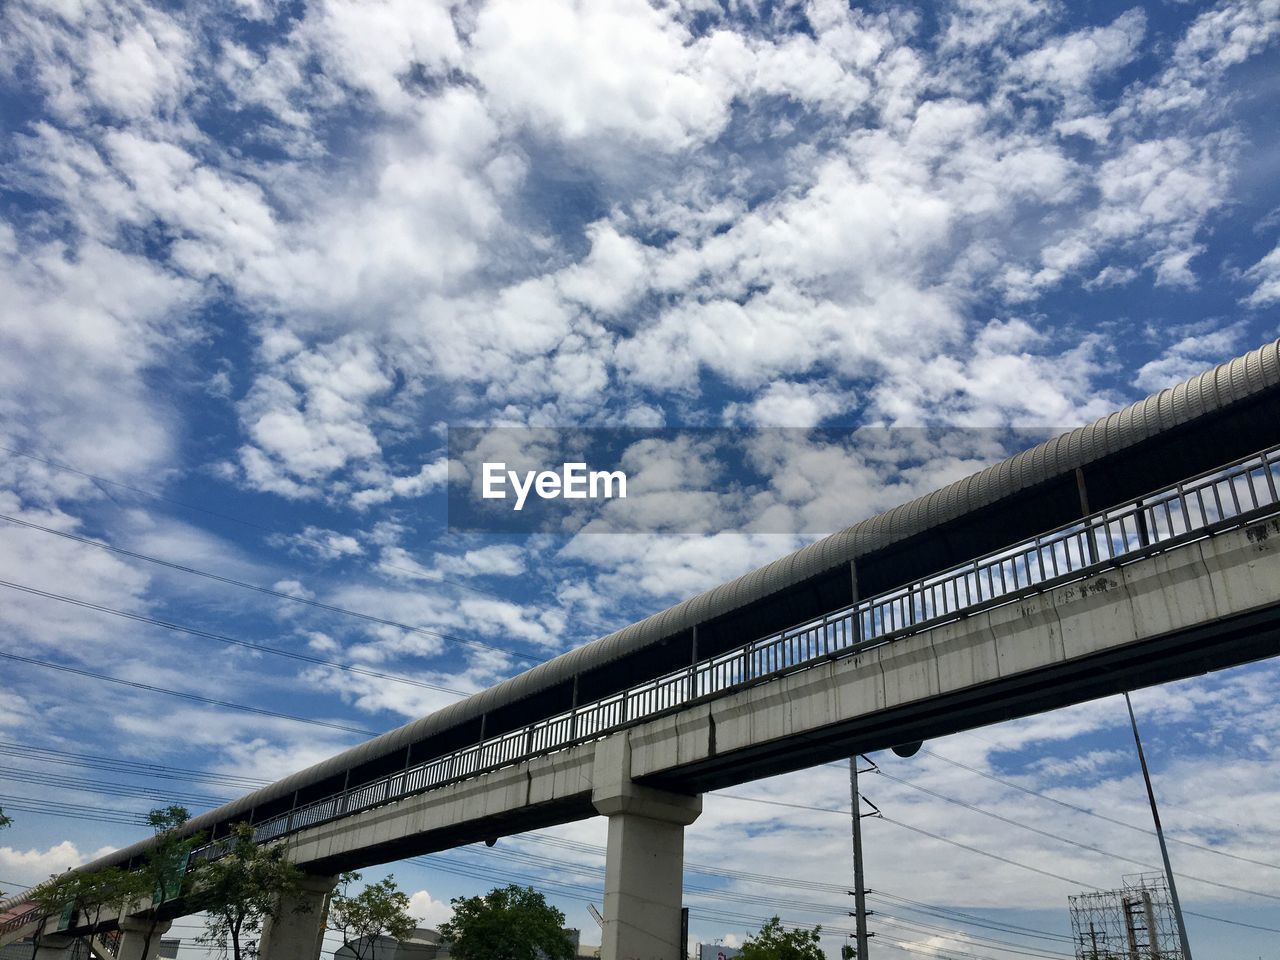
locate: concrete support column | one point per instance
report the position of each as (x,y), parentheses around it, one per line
(133,938)
(297,930)
(644,866)
(54,946)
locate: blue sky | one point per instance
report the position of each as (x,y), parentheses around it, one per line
(256,257)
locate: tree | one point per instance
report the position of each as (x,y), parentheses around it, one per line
(507,923)
(88,895)
(163,873)
(241,890)
(380,909)
(775,943)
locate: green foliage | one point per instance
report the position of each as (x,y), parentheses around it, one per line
(380,909)
(87,896)
(163,874)
(507,923)
(82,898)
(241,890)
(775,943)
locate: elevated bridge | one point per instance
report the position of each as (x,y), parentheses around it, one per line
(1140,549)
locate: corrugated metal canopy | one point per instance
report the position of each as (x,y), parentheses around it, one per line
(1254,373)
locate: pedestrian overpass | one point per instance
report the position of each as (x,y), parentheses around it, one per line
(1140,549)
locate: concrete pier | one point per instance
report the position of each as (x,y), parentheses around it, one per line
(134,936)
(55,946)
(297,929)
(644,866)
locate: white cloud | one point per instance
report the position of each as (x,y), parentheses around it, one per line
(139,68)
(629,69)
(1217,40)
(127,58)
(1068,66)
(978,23)
(1190,355)
(1005,379)
(433,476)
(33,866)
(311,419)
(78,329)
(1265,276)
(428,910)
(785,404)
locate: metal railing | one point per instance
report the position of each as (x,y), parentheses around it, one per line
(107,943)
(1229,496)
(20,920)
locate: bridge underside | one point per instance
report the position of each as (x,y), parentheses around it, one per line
(446,837)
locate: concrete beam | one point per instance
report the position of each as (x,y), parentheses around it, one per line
(644,865)
(296,930)
(544,791)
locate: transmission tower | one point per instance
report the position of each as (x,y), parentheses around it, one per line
(1136,922)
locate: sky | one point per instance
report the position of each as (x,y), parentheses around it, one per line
(256,258)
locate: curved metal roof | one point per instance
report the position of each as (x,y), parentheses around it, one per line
(1222,386)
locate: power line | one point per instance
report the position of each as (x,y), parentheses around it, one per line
(977,850)
(36,778)
(1061,839)
(1234,923)
(161,771)
(98,814)
(196,698)
(233,641)
(522,857)
(302,538)
(76,811)
(822,909)
(945,913)
(720,871)
(1093,813)
(987,853)
(268,591)
(926,833)
(463,868)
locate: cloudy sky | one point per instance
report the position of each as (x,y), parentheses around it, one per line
(256,257)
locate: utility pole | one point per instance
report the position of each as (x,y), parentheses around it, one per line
(1164,849)
(859,886)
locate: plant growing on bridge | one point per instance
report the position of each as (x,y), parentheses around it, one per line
(380,909)
(241,890)
(507,923)
(773,942)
